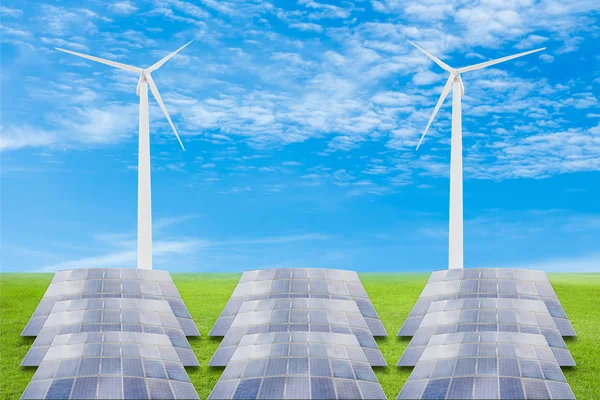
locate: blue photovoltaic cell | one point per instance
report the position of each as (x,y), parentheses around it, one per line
(85,388)
(159,389)
(247,389)
(322,388)
(134,388)
(297,388)
(346,389)
(36,390)
(535,389)
(461,388)
(272,388)
(511,388)
(436,389)
(60,389)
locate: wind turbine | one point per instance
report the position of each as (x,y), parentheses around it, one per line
(144,241)
(455,248)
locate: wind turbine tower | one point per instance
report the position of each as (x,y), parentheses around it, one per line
(144,240)
(454,82)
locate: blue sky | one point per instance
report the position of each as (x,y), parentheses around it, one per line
(300,121)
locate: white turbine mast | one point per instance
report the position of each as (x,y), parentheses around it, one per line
(144,240)
(455,237)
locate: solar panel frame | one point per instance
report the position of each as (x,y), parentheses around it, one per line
(255,316)
(303,283)
(281,379)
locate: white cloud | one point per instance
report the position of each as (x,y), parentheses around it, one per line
(10,12)
(110,124)
(307,26)
(128,258)
(19,137)
(122,7)
(60,21)
(18,33)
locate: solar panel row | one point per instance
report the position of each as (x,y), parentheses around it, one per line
(496,315)
(298,315)
(304,365)
(298,333)
(299,283)
(111,333)
(487,333)
(110,365)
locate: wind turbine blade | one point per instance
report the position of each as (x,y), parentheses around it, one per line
(445,92)
(167,58)
(497,61)
(103,61)
(434,58)
(156,95)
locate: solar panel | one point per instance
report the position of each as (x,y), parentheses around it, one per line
(505,365)
(332,366)
(111,283)
(502,283)
(68,371)
(299,283)
(486,314)
(106,315)
(298,315)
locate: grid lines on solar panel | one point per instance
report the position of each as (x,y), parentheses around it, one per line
(111,283)
(110,365)
(481,365)
(301,283)
(487,283)
(298,315)
(298,365)
(110,315)
(485,314)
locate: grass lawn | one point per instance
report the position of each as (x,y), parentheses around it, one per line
(392,294)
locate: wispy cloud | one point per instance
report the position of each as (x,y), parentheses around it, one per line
(119,249)
(122,7)
(128,258)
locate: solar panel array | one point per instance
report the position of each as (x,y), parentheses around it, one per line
(487,315)
(110,365)
(485,333)
(298,333)
(111,333)
(298,315)
(111,283)
(301,283)
(488,283)
(487,365)
(110,315)
(298,365)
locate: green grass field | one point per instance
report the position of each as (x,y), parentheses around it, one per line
(392,294)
